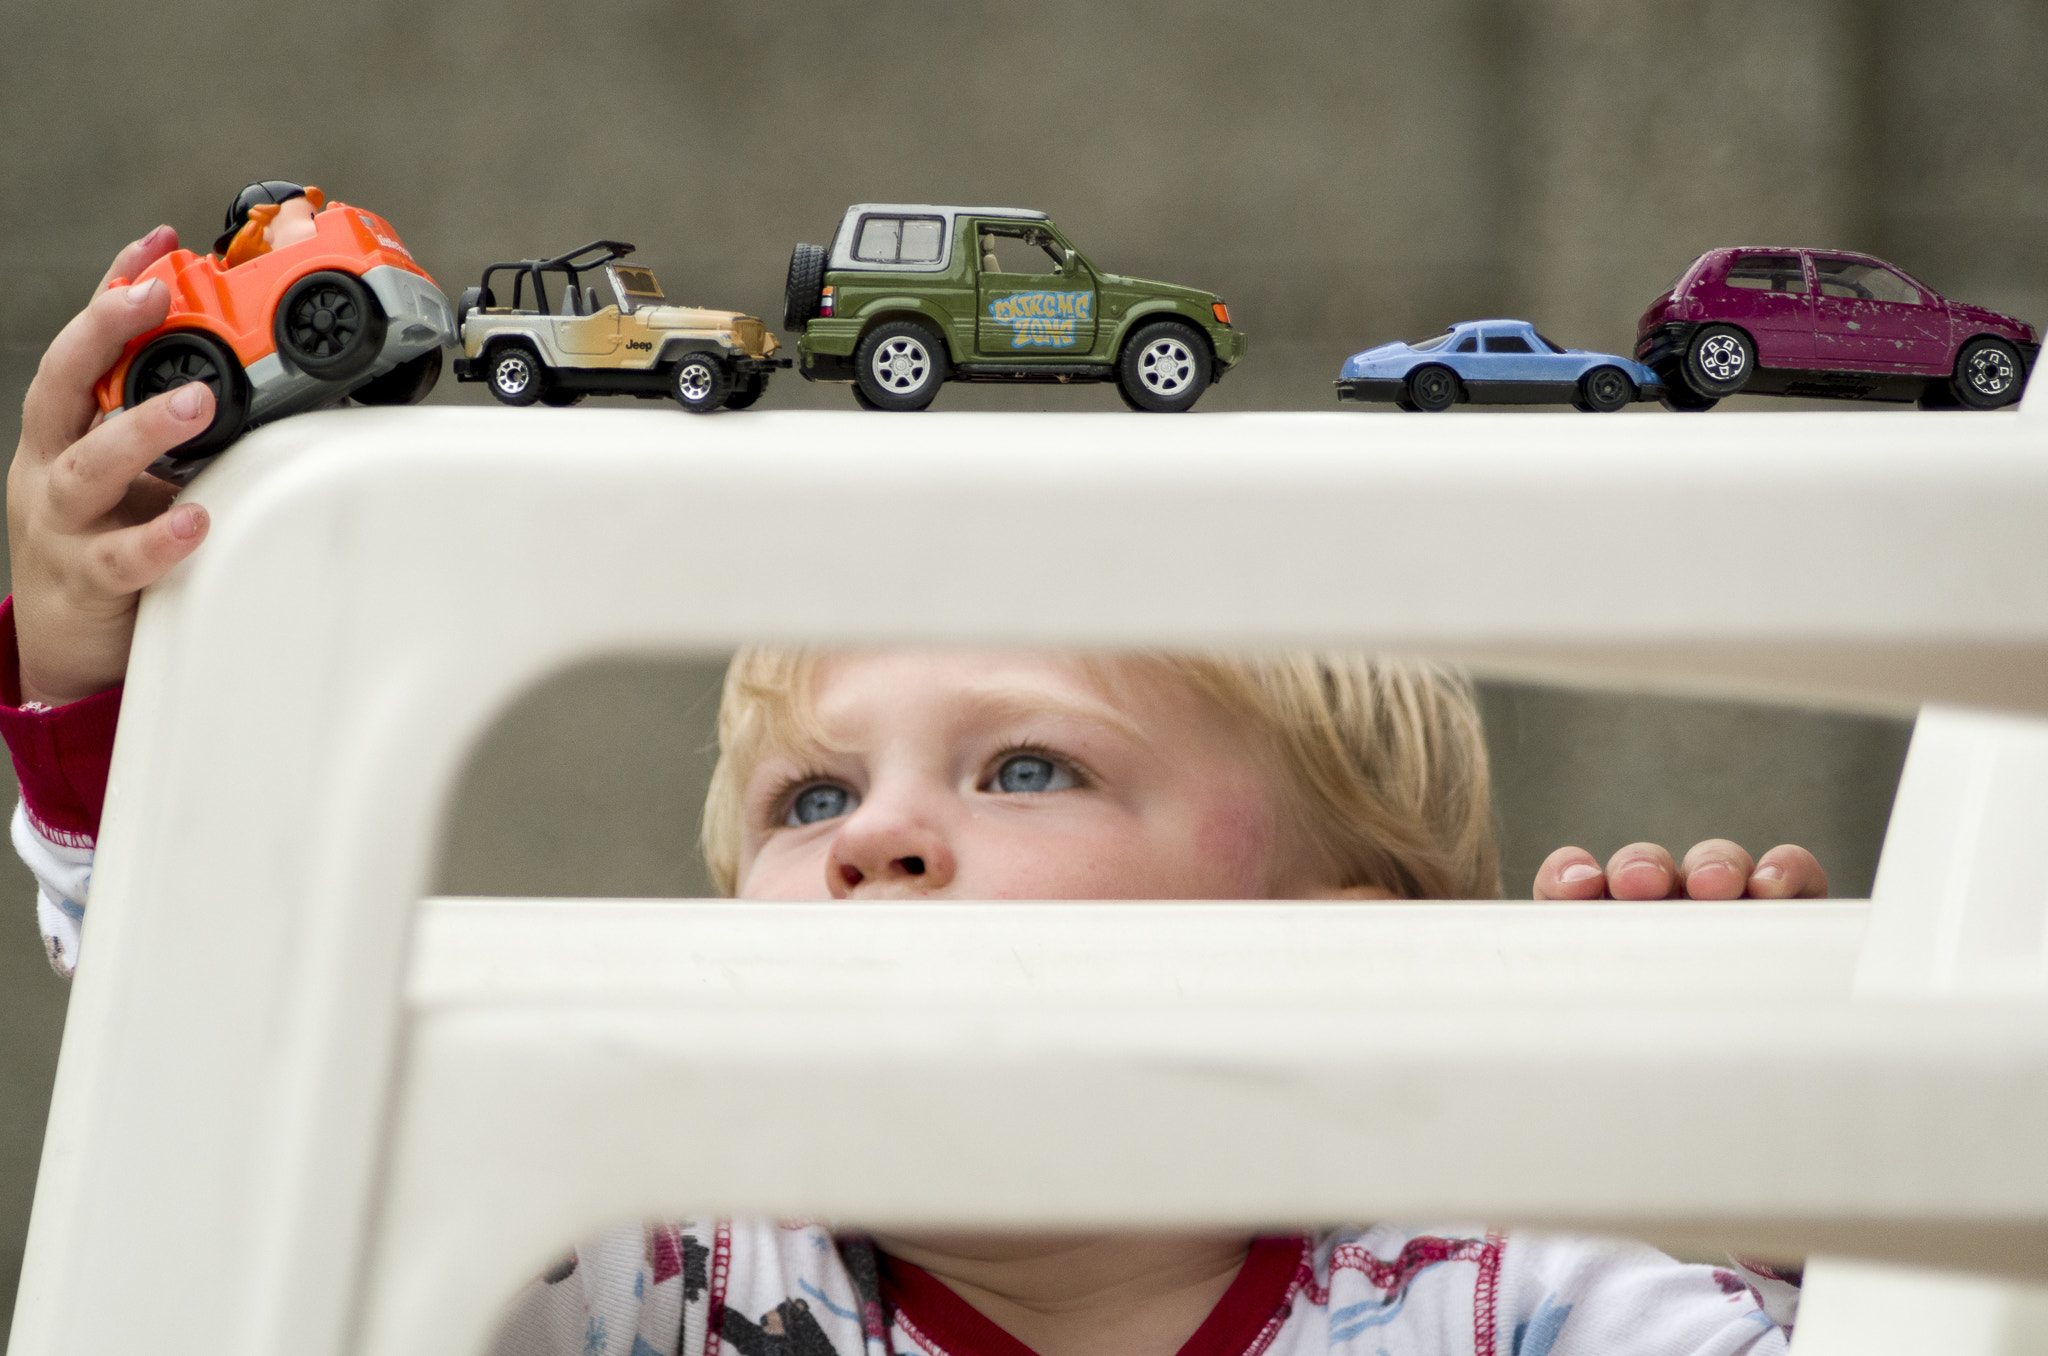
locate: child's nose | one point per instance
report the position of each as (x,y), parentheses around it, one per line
(883,853)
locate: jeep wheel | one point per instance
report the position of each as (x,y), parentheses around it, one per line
(184,356)
(1432,389)
(745,392)
(1604,390)
(1988,374)
(700,382)
(1718,361)
(329,326)
(900,366)
(515,375)
(800,294)
(405,384)
(1165,367)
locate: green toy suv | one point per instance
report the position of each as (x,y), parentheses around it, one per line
(910,296)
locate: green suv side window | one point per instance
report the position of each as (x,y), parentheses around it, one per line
(899,240)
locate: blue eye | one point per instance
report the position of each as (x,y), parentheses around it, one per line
(1027,772)
(818,803)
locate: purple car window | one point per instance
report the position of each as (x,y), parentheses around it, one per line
(1768,273)
(1469,344)
(1507,343)
(1864,282)
(1431,344)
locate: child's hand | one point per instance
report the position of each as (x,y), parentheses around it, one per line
(1715,869)
(88,528)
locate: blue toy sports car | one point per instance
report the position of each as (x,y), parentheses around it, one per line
(1494,362)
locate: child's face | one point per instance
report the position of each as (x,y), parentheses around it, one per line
(1018,776)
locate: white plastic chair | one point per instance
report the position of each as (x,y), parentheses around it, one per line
(298,1109)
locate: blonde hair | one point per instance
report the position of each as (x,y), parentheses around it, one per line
(1383,758)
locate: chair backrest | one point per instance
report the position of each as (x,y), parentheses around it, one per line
(344,1133)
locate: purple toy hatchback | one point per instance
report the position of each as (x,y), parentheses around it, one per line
(1827,323)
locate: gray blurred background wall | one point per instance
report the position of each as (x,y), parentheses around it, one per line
(1342,172)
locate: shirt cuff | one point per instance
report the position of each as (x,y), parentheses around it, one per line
(60,753)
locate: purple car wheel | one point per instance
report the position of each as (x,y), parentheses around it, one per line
(1719,360)
(1988,374)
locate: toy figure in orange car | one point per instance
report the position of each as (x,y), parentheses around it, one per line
(306,303)
(265,215)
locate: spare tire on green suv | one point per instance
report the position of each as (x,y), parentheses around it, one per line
(909,296)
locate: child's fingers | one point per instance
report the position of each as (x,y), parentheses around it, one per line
(140,254)
(1716,869)
(1788,872)
(132,558)
(1642,871)
(60,404)
(1570,873)
(95,472)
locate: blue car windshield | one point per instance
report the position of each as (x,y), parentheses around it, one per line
(1555,347)
(1434,342)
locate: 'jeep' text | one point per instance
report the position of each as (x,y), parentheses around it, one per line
(1041,319)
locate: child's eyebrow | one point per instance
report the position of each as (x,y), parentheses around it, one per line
(1013,704)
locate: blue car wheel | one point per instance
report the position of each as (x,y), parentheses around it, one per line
(1605,390)
(1432,388)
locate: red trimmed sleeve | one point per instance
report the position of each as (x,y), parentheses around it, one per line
(60,752)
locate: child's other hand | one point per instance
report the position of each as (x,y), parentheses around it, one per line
(1715,869)
(88,528)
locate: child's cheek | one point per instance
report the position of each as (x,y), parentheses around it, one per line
(1233,848)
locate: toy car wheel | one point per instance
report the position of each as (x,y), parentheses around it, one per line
(1165,367)
(184,356)
(329,326)
(860,398)
(405,384)
(1605,390)
(1988,374)
(1432,389)
(1679,397)
(555,398)
(900,366)
(515,375)
(1718,361)
(746,392)
(800,294)
(700,382)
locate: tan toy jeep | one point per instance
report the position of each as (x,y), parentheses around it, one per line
(585,322)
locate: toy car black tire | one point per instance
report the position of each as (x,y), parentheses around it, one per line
(555,398)
(329,326)
(1432,388)
(700,382)
(172,360)
(1165,367)
(1605,390)
(1988,374)
(406,384)
(746,391)
(514,374)
(900,366)
(1718,361)
(800,294)
(1680,398)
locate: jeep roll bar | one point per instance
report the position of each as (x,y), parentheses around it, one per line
(572,263)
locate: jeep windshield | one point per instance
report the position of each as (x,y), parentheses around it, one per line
(637,287)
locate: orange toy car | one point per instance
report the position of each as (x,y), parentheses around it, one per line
(343,313)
